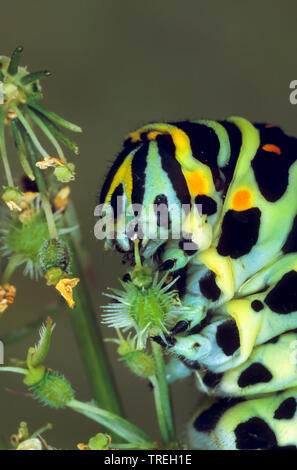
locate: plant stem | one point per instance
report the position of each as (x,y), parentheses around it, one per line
(135,446)
(90,342)
(52,230)
(115,423)
(30,131)
(86,327)
(16,370)
(162,398)
(11,266)
(49,135)
(40,182)
(3,148)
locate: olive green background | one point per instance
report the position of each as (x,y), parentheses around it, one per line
(116,65)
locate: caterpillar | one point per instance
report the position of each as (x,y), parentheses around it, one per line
(236,267)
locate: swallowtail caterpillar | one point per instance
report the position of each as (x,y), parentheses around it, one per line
(239,279)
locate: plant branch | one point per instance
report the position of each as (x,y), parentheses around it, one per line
(115,423)
(162,398)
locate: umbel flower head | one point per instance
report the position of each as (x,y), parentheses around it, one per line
(145,304)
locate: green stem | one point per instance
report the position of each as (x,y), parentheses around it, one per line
(162,398)
(115,423)
(53,116)
(39,180)
(49,135)
(134,446)
(3,148)
(21,150)
(90,342)
(30,131)
(16,370)
(11,266)
(86,327)
(52,230)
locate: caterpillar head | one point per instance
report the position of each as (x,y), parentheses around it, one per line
(146,195)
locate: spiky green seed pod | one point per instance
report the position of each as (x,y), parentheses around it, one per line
(53,390)
(140,363)
(54,253)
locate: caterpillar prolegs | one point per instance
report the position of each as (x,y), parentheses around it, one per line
(235,264)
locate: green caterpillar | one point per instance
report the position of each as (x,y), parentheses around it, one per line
(236,267)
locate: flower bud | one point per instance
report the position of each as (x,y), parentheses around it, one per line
(64,174)
(53,390)
(100,442)
(140,363)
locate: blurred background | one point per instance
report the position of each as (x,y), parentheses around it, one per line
(117,65)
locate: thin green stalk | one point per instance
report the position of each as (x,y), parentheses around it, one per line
(11,266)
(21,150)
(115,423)
(40,181)
(48,134)
(14,61)
(30,131)
(54,130)
(3,147)
(162,398)
(49,216)
(16,370)
(86,327)
(53,116)
(90,342)
(33,77)
(135,446)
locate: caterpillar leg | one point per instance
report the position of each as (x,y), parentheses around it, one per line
(231,424)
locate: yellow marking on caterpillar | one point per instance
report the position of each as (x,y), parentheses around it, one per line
(222,268)
(241,311)
(123,175)
(183,152)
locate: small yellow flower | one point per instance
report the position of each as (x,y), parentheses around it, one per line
(63,172)
(61,200)
(48,162)
(28,199)
(12,206)
(7,295)
(83,446)
(65,287)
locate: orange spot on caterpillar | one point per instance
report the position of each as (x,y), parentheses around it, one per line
(268,126)
(241,200)
(197,183)
(272,148)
